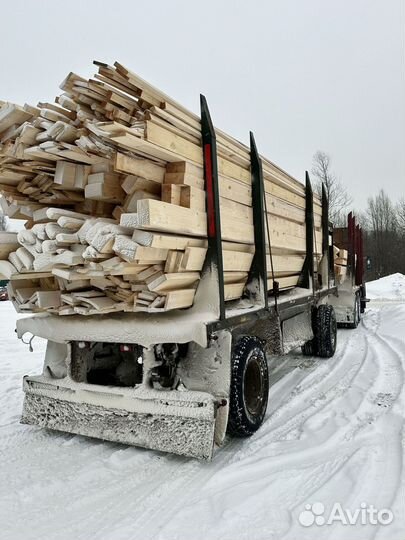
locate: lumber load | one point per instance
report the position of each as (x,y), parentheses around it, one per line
(110,182)
(8,243)
(340,264)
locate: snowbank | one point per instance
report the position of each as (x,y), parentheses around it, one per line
(389,288)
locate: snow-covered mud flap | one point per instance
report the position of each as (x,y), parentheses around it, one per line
(172,402)
(172,421)
(347,306)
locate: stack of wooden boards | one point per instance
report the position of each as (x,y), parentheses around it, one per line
(110,180)
(340,261)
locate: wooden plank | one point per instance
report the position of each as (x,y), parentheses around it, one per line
(173,281)
(131,201)
(134,183)
(104,192)
(343,254)
(149,272)
(235,277)
(156,113)
(65,174)
(167,140)
(187,117)
(11,114)
(171,193)
(237,261)
(289,235)
(49,299)
(150,254)
(235,210)
(185,168)
(8,243)
(233,291)
(235,191)
(179,299)
(193,259)
(139,167)
(146,148)
(341,261)
(284,282)
(194,198)
(107,178)
(167,241)
(160,216)
(184,179)
(291,264)
(173,261)
(7,270)
(280,208)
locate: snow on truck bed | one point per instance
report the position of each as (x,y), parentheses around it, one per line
(333,434)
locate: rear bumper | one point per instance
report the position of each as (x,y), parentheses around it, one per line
(171,421)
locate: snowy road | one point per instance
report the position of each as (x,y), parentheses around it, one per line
(334,433)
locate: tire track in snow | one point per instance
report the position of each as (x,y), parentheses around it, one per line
(312,399)
(382,450)
(225,455)
(234,450)
(333,463)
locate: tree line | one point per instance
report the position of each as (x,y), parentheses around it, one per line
(382,220)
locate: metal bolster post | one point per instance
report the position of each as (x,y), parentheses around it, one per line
(258,269)
(308,269)
(350,241)
(331,255)
(214,252)
(359,259)
(325,221)
(354,250)
(362,255)
(327,250)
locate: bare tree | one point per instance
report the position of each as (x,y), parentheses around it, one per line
(400,212)
(338,197)
(383,235)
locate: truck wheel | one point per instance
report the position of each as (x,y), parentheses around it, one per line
(309,348)
(325,331)
(362,299)
(356,313)
(249,387)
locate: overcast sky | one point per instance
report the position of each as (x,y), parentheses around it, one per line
(302,74)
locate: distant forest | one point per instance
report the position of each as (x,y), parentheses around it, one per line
(383,221)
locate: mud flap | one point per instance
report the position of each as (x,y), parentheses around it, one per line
(180,422)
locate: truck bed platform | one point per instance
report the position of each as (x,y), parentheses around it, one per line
(148,329)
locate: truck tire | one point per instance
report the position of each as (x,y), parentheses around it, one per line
(356,313)
(249,387)
(308,349)
(325,329)
(363,302)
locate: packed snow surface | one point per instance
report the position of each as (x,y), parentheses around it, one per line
(334,433)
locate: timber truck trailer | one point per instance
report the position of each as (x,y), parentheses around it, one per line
(350,299)
(188,377)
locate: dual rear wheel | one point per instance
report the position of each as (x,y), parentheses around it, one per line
(324,327)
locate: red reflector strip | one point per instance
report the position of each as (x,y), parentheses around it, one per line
(209,186)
